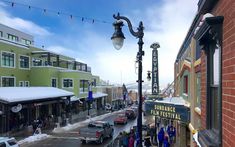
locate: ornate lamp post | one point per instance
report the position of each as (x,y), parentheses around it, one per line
(118,39)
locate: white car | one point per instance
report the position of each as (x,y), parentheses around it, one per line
(8,142)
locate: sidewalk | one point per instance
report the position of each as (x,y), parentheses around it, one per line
(22,134)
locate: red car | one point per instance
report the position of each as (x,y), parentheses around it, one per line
(120,119)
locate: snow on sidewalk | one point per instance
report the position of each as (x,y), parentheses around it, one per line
(35,137)
(83,123)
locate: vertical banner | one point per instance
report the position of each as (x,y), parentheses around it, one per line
(155,80)
(90,98)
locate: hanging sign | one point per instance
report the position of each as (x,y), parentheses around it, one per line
(90,96)
(169,111)
(17,108)
(155,82)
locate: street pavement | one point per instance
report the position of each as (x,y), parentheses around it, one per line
(70,138)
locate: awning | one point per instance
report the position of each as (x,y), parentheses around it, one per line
(75,99)
(20,94)
(98,95)
(175,108)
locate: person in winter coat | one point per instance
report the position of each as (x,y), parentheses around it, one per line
(147,142)
(131,141)
(166,143)
(161,136)
(125,139)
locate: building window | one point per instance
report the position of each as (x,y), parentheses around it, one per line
(213,85)
(12,37)
(1,34)
(68,83)
(26,42)
(24,62)
(83,85)
(185,85)
(21,83)
(198,89)
(8,81)
(26,83)
(37,62)
(53,82)
(8,59)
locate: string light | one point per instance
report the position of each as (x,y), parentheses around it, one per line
(59,13)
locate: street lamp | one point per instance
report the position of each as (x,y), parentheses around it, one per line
(118,39)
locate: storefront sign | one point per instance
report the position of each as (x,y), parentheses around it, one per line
(155,82)
(169,111)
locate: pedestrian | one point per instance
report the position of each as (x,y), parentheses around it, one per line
(147,142)
(152,132)
(166,143)
(161,137)
(131,141)
(125,139)
(171,134)
(120,139)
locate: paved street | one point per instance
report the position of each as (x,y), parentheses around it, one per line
(70,139)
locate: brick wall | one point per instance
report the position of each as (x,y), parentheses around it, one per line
(224,8)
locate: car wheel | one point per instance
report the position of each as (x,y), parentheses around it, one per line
(101,140)
(83,141)
(111,134)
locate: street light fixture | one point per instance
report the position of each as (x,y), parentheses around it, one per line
(118,39)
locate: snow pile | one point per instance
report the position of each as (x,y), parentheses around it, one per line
(34,138)
(82,123)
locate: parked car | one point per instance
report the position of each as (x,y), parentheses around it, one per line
(130,113)
(96,131)
(8,142)
(120,119)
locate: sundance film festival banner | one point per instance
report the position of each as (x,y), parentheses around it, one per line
(168,111)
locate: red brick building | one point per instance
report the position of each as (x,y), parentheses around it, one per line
(216,36)
(213,31)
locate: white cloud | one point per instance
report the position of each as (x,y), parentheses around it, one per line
(21,24)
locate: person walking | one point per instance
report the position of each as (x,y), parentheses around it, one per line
(125,139)
(165,142)
(131,141)
(147,142)
(161,137)
(120,139)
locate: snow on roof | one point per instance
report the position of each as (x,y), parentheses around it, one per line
(17,94)
(173,100)
(99,94)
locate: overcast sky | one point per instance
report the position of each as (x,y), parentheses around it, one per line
(165,21)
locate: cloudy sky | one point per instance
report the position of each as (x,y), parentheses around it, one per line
(165,21)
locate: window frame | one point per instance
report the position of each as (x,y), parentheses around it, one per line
(11,36)
(26,85)
(69,86)
(56,82)
(13,61)
(8,77)
(185,84)
(28,62)
(83,88)
(21,82)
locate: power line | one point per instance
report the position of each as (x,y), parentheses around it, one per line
(59,13)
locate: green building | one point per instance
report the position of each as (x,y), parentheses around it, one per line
(24,65)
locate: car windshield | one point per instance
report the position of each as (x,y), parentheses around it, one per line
(121,115)
(12,142)
(95,125)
